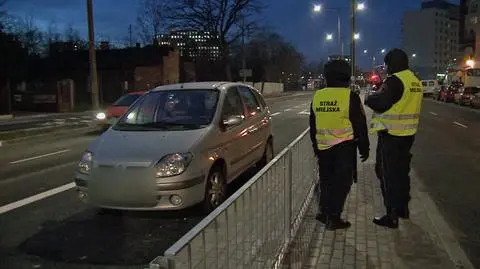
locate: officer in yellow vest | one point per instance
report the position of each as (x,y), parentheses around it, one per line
(396,115)
(337,127)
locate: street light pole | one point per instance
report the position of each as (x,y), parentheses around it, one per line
(93,61)
(339,27)
(352,37)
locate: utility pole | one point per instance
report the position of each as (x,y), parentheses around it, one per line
(352,37)
(244,62)
(93,61)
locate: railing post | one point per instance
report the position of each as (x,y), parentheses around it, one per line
(288,197)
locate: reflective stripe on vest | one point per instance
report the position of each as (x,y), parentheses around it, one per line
(335,131)
(331,107)
(403,117)
(397,117)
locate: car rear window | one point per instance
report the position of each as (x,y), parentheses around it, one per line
(431,83)
(424,83)
(126,100)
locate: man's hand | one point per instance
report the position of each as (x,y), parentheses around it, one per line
(364,157)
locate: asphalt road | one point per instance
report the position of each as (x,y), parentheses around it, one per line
(447,160)
(60,232)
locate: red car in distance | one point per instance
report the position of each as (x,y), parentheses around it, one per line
(116,110)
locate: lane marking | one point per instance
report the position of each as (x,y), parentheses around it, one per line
(459,124)
(433,113)
(305,112)
(288,109)
(86,121)
(40,156)
(35,198)
(276,114)
(72,118)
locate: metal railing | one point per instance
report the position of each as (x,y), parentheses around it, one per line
(255,226)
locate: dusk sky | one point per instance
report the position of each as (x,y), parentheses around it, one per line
(379,25)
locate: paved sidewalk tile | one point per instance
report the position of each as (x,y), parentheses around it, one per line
(366,245)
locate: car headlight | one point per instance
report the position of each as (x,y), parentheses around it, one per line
(85,164)
(101,116)
(173,164)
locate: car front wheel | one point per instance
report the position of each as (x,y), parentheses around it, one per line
(216,190)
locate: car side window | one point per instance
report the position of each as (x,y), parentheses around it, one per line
(260,99)
(232,105)
(251,104)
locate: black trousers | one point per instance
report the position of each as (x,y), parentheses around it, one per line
(336,172)
(392,168)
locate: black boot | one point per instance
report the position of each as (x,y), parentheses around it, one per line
(322,216)
(403,213)
(334,222)
(390,220)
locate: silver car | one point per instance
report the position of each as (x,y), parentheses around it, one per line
(177,146)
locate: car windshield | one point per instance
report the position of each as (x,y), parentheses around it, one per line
(126,100)
(171,110)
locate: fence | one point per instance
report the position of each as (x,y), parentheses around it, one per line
(255,226)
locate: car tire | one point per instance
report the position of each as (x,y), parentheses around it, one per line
(215,189)
(267,155)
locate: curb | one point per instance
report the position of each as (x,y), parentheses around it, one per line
(57,130)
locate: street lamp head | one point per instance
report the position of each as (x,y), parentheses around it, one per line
(329,37)
(356,36)
(317,8)
(470,63)
(365,51)
(361,6)
(414,55)
(383,51)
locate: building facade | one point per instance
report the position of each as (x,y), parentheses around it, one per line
(192,44)
(431,37)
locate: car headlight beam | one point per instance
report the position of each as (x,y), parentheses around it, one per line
(101,116)
(173,164)
(85,164)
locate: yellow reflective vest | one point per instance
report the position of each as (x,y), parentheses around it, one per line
(403,117)
(331,107)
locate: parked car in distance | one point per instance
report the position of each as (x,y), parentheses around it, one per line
(106,119)
(464,95)
(177,146)
(476,100)
(448,95)
(437,92)
(429,87)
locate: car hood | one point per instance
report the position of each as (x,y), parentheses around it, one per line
(142,147)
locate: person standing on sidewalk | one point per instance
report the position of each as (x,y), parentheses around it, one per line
(396,115)
(338,126)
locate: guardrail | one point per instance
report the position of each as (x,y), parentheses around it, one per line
(255,226)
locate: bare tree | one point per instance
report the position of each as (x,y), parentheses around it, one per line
(150,20)
(52,35)
(225,20)
(28,33)
(72,35)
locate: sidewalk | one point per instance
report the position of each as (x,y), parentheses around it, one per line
(424,241)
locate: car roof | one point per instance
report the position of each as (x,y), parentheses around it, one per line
(221,85)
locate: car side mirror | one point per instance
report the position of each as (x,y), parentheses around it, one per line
(232,121)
